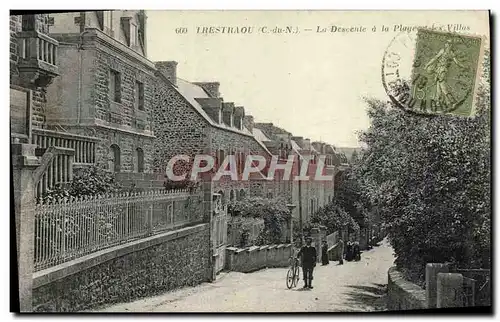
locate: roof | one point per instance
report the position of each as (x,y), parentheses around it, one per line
(260,136)
(192,91)
(295,147)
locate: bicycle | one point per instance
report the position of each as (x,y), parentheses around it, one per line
(292,276)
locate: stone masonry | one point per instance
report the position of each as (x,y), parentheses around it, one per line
(39,94)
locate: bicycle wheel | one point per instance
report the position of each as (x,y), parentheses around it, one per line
(296,276)
(290,278)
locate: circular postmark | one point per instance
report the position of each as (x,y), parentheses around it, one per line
(431,73)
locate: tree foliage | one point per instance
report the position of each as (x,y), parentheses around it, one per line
(350,198)
(274,212)
(334,218)
(430,177)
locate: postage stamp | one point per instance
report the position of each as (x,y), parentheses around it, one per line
(445,68)
(446,71)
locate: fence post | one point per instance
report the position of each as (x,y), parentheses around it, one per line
(150,217)
(431,272)
(449,290)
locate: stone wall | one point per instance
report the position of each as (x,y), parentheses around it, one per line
(237,223)
(253,258)
(81,101)
(180,129)
(124,273)
(402,294)
(39,95)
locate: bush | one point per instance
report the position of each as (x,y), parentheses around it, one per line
(274,212)
(89,181)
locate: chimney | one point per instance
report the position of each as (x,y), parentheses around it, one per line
(212,88)
(212,106)
(227,113)
(299,140)
(307,144)
(239,114)
(248,122)
(169,69)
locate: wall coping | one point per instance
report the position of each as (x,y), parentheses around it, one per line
(251,249)
(412,290)
(63,270)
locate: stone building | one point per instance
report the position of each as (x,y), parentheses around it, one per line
(192,118)
(308,195)
(89,88)
(105,85)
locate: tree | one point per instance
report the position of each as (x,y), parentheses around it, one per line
(430,177)
(334,218)
(354,157)
(349,197)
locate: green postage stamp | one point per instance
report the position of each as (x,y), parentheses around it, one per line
(445,73)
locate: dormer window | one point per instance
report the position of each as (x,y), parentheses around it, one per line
(130,30)
(133,35)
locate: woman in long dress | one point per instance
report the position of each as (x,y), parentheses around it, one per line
(324,253)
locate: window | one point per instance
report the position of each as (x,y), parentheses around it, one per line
(107,20)
(28,23)
(114,86)
(115,163)
(220,158)
(140,160)
(133,35)
(139,95)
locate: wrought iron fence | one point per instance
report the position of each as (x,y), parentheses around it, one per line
(70,228)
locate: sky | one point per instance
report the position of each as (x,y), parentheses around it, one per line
(310,83)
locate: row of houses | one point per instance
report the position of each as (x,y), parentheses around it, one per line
(89,86)
(81,82)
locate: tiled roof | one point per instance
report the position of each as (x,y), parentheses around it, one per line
(191,91)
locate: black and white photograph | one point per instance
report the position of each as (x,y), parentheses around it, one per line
(250,161)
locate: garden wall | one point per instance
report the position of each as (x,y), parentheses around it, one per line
(123,273)
(257,257)
(254,226)
(402,294)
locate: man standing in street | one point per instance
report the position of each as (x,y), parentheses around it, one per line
(341,251)
(308,257)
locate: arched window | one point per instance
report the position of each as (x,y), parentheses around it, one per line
(242,194)
(115,161)
(231,195)
(139,153)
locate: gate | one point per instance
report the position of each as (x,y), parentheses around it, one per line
(477,287)
(219,233)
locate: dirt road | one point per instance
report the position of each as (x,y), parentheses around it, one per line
(354,286)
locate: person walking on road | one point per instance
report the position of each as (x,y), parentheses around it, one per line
(324,253)
(341,251)
(308,257)
(356,251)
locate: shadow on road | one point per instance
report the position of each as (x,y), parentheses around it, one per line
(367,298)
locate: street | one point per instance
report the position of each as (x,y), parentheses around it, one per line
(354,286)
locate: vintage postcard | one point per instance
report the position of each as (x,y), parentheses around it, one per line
(251,161)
